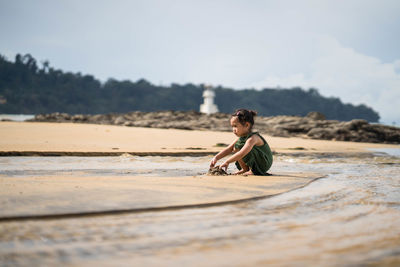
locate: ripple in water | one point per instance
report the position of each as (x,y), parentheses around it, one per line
(352,217)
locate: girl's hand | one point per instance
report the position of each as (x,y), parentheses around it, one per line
(213,162)
(224,166)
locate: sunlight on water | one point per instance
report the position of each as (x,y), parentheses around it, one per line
(390,151)
(352,217)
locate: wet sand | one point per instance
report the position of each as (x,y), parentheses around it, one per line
(349,218)
(61,197)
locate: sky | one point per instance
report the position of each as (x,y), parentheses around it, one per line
(348,49)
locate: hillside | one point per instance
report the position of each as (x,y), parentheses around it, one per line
(26,88)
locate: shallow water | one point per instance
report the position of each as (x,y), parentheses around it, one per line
(16,117)
(351,217)
(125,165)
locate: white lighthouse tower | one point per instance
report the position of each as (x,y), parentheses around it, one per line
(208,106)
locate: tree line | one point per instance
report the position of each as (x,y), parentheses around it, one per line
(27,88)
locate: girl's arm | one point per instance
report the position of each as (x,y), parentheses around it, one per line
(226,151)
(241,153)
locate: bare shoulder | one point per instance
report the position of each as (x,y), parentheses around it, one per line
(256,140)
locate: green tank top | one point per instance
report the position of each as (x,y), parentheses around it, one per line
(259,159)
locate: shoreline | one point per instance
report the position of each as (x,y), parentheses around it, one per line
(100,154)
(74,139)
(172,154)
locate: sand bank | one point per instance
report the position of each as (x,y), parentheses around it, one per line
(63,196)
(28,138)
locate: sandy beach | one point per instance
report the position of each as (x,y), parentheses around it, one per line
(68,139)
(84,195)
(76,194)
(87,138)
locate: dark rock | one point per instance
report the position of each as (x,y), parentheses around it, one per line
(321,133)
(65,116)
(355,124)
(79,118)
(315,115)
(39,117)
(119,120)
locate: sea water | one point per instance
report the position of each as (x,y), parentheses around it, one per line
(349,218)
(16,117)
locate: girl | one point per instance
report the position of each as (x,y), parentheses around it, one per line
(252,153)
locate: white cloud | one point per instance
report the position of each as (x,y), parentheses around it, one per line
(343,72)
(238,44)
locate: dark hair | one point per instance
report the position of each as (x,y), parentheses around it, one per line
(245,115)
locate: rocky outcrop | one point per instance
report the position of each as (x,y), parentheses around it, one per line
(314,125)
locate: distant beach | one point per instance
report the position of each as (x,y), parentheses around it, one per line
(70,138)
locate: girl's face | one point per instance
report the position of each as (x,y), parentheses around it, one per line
(238,128)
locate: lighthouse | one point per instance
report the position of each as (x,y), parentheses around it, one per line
(208,107)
